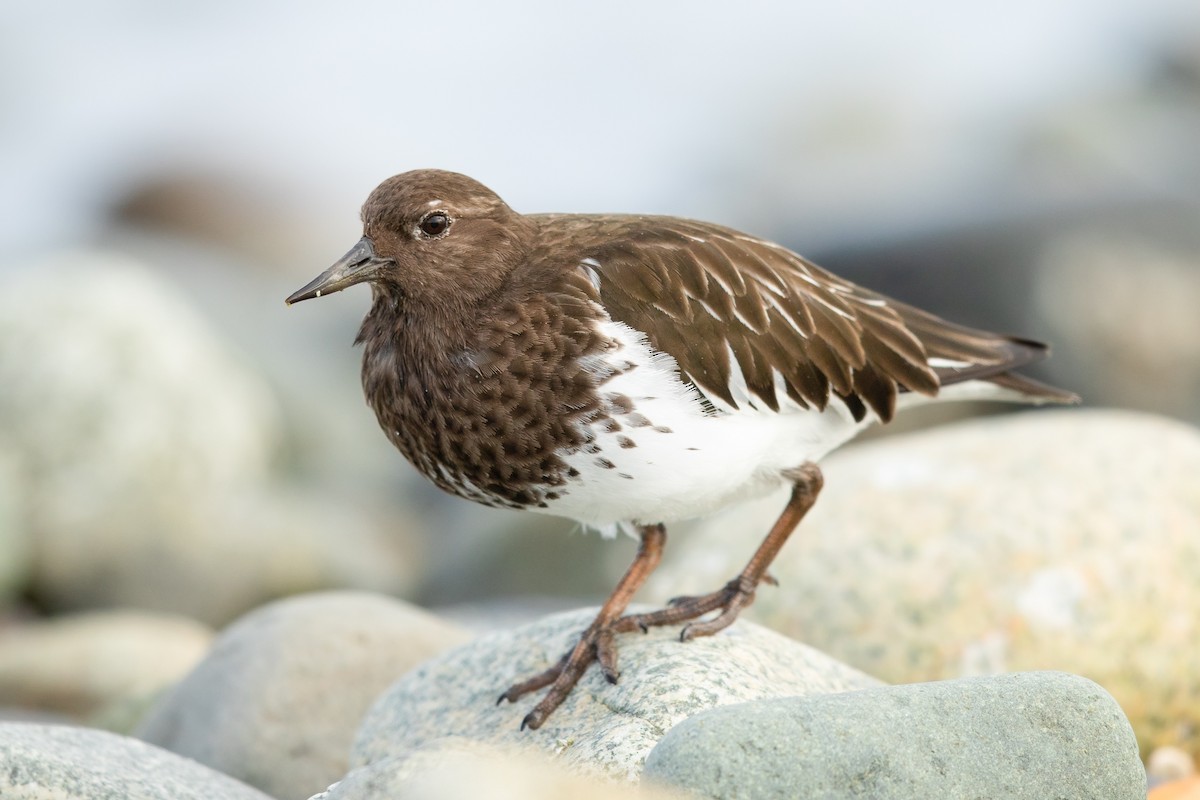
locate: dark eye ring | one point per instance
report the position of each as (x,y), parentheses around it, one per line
(435,224)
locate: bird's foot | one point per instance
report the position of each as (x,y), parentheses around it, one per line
(595,644)
(730,599)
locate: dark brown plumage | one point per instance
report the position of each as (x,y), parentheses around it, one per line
(633,369)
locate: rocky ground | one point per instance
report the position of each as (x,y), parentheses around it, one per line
(303,693)
(1003,607)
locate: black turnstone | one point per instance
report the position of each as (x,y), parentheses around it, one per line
(631,371)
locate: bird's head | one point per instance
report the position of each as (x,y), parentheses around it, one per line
(432,237)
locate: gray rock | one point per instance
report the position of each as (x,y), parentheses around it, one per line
(600,728)
(57,762)
(1045,540)
(148,445)
(278,698)
(1027,735)
(79,664)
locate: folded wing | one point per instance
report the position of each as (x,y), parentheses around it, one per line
(752,323)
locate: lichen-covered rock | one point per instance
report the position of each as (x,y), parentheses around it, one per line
(278,699)
(145,443)
(600,728)
(58,762)
(1048,540)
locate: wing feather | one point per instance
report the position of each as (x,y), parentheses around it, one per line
(712,297)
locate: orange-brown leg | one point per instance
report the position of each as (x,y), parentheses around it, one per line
(739,592)
(596,643)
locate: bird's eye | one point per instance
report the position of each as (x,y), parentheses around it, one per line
(434,224)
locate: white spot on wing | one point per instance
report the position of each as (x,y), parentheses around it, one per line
(787,315)
(719,280)
(711,312)
(737,381)
(764,243)
(590,267)
(831,307)
(745,321)
(947,363)
(774,287)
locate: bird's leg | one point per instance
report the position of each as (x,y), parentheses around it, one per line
(739,592)
(596,643)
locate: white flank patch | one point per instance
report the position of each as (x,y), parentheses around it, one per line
(685,463)
(965,391)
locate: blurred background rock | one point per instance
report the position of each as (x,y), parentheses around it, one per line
(173,439)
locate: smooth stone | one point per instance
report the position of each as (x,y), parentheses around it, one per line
(600,728)
(59,762)
(1061,539)
(1026,735)
(149,454)
(278,699)
(460,770)
(79,664)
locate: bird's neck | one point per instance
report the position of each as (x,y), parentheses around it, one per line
(420,332)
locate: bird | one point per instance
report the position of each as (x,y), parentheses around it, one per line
(632,371)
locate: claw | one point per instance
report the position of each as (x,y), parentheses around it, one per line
(606,655)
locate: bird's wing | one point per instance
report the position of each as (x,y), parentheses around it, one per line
(752,323)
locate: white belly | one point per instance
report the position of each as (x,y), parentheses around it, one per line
(672,461)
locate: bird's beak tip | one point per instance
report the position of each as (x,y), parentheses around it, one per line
(356,266)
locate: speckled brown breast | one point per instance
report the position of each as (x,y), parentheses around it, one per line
(487,410)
